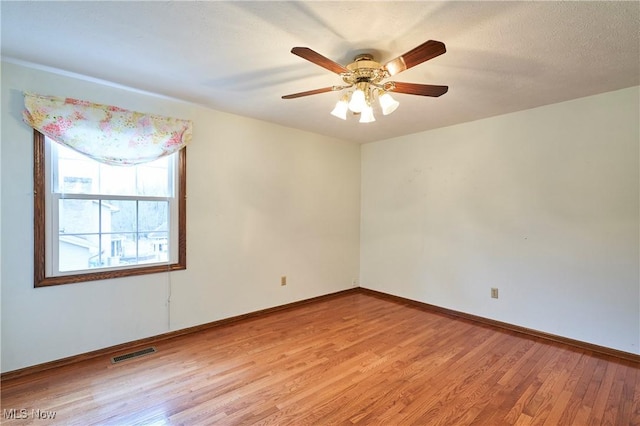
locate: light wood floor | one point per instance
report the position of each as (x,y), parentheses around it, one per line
(352,359)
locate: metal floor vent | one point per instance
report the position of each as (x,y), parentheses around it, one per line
(136,354)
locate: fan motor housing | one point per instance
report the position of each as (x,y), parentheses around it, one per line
(364,68)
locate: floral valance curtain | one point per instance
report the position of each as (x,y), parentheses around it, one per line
(108,134)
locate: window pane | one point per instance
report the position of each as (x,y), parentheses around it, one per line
(79,216)
(78,252)
(153,216)
(153,179)
(123,216)
(76,173)
(117,180)
(118,249)
(79,174)
(153,247)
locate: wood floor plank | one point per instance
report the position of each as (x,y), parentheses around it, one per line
(353,360)
(602,395)
(625,404)
(553,399)
(575,388)
(494,412)
(528,387)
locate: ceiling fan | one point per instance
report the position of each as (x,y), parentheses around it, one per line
(366,77)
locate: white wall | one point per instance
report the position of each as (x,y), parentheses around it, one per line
(542,204)
(263,201)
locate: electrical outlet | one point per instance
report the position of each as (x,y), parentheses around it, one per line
(494,293)
(283,280)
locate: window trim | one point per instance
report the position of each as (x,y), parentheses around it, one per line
(39,228)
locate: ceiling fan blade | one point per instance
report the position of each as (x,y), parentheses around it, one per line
(318,59)
(417,89)
(310,92)
(427,50)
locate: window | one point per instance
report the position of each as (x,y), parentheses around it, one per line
(95,221)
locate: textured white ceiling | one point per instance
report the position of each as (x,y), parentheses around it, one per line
(235,56)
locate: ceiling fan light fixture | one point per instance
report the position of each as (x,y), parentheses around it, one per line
(341,108)
(358,101)
(366,115)
(387,103)
(367,77)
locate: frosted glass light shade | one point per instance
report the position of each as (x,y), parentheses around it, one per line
(388,104)
(340,109)
(366,116)
(358,101)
